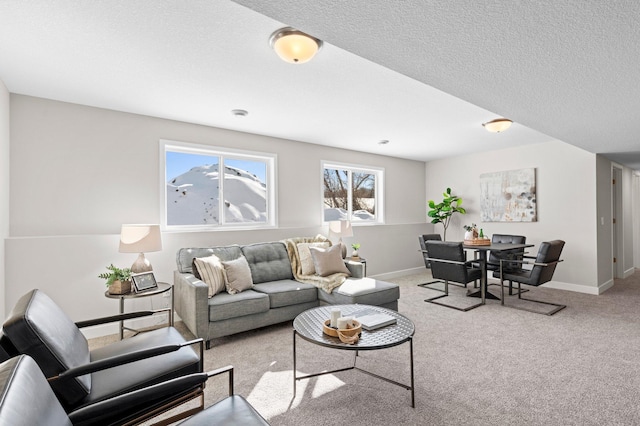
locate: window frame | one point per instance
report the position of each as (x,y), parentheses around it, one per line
(378,190)
(269,159)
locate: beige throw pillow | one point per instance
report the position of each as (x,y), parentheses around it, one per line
(328,261)
(306,261)
(237,275)
(211,272)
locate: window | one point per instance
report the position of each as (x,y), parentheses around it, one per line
(195,195)
(353,193)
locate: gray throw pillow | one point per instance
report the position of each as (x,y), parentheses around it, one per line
(237,275)
(328,261)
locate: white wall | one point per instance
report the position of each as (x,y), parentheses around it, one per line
(4,185)
(566,202)
(78,173)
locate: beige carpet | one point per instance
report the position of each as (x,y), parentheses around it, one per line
(488,366)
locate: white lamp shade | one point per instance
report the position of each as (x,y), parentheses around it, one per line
(340,228)
(140,238)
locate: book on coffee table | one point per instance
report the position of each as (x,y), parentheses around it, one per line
(372,321)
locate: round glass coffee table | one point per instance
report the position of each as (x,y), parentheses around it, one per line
(308,325)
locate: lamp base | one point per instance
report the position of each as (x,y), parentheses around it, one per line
(141,264)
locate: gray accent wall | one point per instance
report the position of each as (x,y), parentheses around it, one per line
(78,173)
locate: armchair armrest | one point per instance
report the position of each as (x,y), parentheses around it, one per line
(114,318)
(222,370)
(454,262)
(143,403)
(127,358)
(525,262)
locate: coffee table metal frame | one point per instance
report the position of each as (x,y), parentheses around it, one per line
(308,325)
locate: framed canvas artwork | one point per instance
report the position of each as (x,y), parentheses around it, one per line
(508,196)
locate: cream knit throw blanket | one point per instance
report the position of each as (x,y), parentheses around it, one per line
(327,283)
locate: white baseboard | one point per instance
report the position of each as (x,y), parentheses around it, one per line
(628,272)
(578,288)
(396,274)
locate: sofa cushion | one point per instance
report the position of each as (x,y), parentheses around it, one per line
(237,275)
(268,262)
(211,271)
(287,292)
(184,257)
(304,254)
(226,306)
(328,261)
(367,291)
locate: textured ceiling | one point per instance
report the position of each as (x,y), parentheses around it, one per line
(423,75)
(567,68)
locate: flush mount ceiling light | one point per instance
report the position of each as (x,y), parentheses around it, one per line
(294,46)
(498,125)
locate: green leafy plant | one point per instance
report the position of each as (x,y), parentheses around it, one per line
(115,274)
(442,212)
(470,228)
(355,246)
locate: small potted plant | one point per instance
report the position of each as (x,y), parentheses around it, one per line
(354,254)
(471,232)
(118,280)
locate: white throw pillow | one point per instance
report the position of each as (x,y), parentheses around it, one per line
(328,261)
(237,275)
(306,261)
(211,272)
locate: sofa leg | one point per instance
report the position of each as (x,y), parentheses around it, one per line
(207,344)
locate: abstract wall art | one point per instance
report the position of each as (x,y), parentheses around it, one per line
(508,196)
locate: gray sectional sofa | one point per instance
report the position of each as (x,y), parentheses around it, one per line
(275,297)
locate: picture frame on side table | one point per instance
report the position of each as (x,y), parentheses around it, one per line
(144,281)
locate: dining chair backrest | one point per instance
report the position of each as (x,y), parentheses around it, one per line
(548,253)
(451,251)
(423,246)
(494,257)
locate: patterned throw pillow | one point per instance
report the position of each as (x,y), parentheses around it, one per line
(211,272)
(328,261)
(306,261)
(237,275)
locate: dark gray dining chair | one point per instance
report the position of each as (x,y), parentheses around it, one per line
(449,264)
(542,269)
(422,239)
(493,262)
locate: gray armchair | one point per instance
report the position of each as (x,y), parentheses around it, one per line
(543,268)
(448,263)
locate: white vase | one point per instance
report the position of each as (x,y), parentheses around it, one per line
(468,235)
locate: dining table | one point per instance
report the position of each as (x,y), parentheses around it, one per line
(483,251)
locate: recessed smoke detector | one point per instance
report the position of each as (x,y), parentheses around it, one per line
(240,112)
(383,142)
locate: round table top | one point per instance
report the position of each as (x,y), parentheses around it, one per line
(162,287)
(309,323)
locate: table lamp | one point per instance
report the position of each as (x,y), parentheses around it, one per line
(341,228)
(140,239)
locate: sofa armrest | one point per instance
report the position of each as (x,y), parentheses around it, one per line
(191,300)
(356,268)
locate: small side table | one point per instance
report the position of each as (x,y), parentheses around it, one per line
(162,288)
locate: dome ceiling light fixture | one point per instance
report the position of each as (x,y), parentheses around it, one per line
(294,46)
(498,125)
